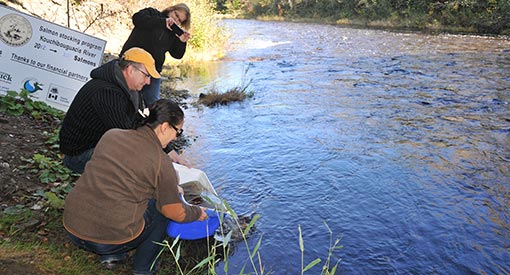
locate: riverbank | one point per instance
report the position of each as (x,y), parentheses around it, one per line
(482,18)
(388,25)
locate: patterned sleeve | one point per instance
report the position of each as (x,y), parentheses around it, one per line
(114,109)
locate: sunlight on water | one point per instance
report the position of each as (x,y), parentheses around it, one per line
(262,44)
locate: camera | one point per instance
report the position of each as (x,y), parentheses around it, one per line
(176,29)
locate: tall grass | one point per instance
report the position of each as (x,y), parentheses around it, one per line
(221,244)
(333,246)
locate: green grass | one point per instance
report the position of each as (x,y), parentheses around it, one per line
(35,257)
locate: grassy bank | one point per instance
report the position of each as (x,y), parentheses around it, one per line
(474,17)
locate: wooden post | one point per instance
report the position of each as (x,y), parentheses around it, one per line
(68,15)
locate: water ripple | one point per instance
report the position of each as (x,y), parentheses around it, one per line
(399,141)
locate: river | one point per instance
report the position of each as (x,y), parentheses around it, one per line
(398,141)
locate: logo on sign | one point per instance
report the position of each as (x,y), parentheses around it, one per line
(15,30)
(32,86)
(53,95)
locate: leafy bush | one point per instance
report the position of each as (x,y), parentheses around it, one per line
(17,104)
(208,38)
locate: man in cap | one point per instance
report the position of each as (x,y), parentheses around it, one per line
(111,99)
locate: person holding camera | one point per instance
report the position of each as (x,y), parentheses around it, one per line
(129,190)
(159,32)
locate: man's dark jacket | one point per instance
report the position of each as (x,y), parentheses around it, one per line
(103,103)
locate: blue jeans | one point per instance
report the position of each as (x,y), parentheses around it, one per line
(146,250)
(77,163)
(150,92)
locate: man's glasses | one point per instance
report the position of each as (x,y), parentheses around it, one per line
(178,131)
(144,73)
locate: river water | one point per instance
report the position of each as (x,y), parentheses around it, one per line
(400,142)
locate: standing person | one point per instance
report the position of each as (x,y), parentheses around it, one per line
(111,99)
(153,32)
(129,190)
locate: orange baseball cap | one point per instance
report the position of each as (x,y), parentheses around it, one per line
(140,55)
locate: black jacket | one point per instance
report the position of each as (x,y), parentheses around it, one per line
(150,33)
(101,104)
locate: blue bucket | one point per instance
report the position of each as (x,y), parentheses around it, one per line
(194,230)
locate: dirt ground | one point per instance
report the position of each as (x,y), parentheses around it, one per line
(22,137)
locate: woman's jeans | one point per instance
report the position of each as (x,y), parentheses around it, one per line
(151,92)
(146,250)
(77,163)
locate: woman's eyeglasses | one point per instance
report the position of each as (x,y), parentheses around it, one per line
(178,131)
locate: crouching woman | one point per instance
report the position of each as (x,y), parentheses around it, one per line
(129,190)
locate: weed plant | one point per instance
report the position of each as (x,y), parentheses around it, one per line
(219,247)
(17,104)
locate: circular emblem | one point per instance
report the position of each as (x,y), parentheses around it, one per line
(15,30)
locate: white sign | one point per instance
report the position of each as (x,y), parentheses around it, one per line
(50,61)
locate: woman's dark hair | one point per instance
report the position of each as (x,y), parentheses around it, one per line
(161,111)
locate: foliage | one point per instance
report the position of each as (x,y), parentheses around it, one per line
(207,35)
(17,104)
(333,246)
(217,247)
(48,166)
(235,7)
(489,16)
(50,170)
(11,105)
(12,216)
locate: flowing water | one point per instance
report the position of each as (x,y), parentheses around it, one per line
(400,142)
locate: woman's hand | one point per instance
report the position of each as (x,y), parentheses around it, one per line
(169,22)
(184,37)
(203,215)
